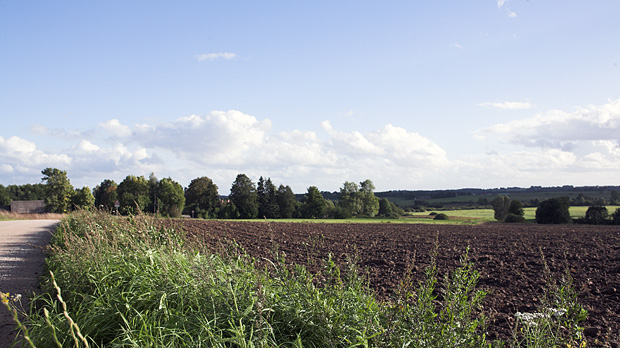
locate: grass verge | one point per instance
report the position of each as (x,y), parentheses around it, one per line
(129,282)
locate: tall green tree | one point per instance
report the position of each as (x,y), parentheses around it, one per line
(614,197)
(83,198)
(385,208)
(58,189)
(201,197)
(314,203)
(5,198)
(133,195)
(105,194)
(154,205)
(287,203)
(370,202)
(349,198)
(243,196)
(501,204)
(170,198)
(266,196)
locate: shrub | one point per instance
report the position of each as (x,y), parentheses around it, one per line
(553,211)
(597,215)
(514,218)
(615,217)
(441,216)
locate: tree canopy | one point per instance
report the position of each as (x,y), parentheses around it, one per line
(243,196)
(201,197)
(58,190)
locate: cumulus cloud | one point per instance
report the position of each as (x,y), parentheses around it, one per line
(506,105)
(557,128)
(456,45)
(550,148)
(115,128)
(500,3)
(214,56)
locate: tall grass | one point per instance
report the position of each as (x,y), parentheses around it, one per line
(129,282)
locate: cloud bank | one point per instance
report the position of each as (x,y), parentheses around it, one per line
(579,147)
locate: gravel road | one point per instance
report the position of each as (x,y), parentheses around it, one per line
(21,264)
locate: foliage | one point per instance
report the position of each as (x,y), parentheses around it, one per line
(27,192)
(514,218)
(441,216)
(349,198)
(83,198)
(267,203)
(58,190)
(286,201)
(133,195)
(597,215)
(243,196)
(359,200)
(171,198)
(516,208)
(314,203)
(615,217)
(105,194)
(201,197)
(614,198)
(553,211)
(5,198)
(132,282)
(501,205)
(385,208)
(370,202)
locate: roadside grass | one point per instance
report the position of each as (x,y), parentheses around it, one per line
(130,282)
(6,216)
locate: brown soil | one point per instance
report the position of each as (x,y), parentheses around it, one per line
(509,258)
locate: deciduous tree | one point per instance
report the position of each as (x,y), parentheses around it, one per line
(133,194)
(105,194)
(201,196)
(170,197)
(554,211)
(314,203)
(243,196)
(83,198)
(501,205)
(58,189)
(286,201)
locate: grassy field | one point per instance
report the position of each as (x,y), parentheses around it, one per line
(486,215)
(129,282)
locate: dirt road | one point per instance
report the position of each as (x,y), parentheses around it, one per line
(21,263)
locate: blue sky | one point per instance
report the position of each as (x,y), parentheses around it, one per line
(410,94)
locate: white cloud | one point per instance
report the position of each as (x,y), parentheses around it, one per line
(510,13)
(500,3)
(507,105)
(214,56)
(580,146)
(115,127)
(456,45)
(557,128)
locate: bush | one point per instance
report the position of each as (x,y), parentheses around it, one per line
(615,217)
(514,218)
(441,216)
(553,211)
(597,215)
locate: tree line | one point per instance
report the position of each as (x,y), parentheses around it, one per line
(553,211)
(201,199)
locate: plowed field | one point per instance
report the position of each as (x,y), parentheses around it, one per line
(509,258)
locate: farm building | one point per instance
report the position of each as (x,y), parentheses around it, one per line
(28,207)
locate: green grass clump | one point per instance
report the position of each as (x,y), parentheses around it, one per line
(131,282)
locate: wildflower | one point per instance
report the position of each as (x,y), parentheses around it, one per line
(4,297)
